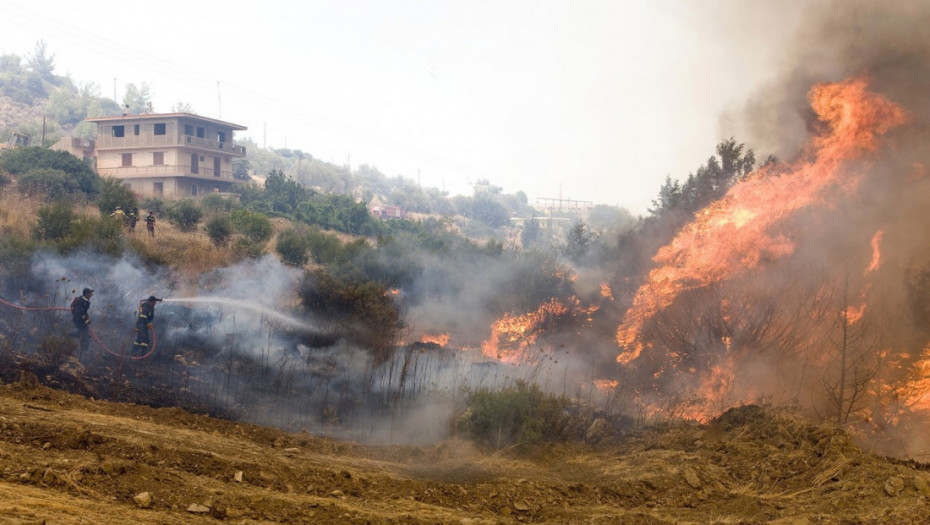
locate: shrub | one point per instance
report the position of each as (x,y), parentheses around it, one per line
(21,160)
(51,184)
(324,247)
(245,247)
(4,179)
(156,205)
(184,214)
(219,229)
(215,203)
(292,246)
(522,416)
(101,234)
(253,225)
(367,310)
(113,193)
(55,222)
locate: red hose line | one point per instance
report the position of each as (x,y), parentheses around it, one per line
(89,329)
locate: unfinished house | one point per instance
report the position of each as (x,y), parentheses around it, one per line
(169,156)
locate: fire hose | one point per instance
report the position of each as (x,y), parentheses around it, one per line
(93,334)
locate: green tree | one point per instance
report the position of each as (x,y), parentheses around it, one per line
(185,214)
(114,192)
(55,222)
(293,246)
(48,183)
(578,242)
(21,160)
(219,229)
(137,99)
(489,211)
(253,225)
(531,234)
(42,64)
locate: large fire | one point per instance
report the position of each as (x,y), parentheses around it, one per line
(741,231)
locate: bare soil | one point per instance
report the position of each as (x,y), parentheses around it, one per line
(67,459)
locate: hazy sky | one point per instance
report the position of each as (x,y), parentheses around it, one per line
(587,100)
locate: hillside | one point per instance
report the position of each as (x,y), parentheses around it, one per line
(69,459)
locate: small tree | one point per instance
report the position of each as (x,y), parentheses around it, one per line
(521,415)
(55,222)
(253,225)
(185,214)
(292,246)
(48,183)
(113,193)
(219,229)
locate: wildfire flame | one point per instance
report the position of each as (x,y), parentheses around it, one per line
(512,335)
(876,252)
(737,233)
(439,339)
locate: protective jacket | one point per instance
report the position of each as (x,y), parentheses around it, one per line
(143,324)
(79,308)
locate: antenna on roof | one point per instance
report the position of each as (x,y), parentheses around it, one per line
(219,101)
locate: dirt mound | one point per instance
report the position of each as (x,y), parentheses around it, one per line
(65,458)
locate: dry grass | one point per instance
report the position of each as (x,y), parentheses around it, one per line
(17,213)
(188,251)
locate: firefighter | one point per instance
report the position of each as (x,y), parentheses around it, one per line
(144,324)
(131,219)
(119,215)
(150,223)
(79,315)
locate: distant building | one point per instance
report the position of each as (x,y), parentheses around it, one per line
(169,155)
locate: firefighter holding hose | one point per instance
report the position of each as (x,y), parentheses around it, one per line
(79,315)
(144,324)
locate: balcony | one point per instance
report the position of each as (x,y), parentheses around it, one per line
(162,141)
(134,172)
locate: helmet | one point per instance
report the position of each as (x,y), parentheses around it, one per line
(85,291)
(152,298)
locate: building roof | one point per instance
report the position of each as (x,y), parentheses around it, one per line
(161,116)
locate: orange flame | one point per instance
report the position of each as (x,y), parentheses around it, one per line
(512,335)
(606,292)
(439,339)
(737,233)
(605,385)
(876,252)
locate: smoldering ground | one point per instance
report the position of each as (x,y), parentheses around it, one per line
(235,342)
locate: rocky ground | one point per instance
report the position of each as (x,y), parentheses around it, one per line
(68,459)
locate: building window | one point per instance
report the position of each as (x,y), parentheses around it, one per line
(160,129)
(193,190)
(127,159)
(159,188)
(200,133)
(221,136)
(188,130)
(216,166)
(158,158)
(119,131)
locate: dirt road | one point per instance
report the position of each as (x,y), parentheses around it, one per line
(66,459)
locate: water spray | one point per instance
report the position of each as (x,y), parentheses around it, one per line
(293,322)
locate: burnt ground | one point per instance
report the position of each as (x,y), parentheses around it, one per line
(66,459)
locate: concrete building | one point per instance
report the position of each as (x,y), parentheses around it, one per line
(169,155)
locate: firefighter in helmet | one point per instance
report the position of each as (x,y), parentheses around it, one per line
(144,324)
(81,319)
